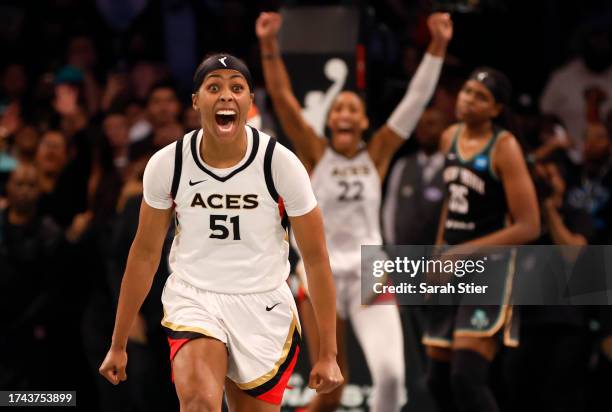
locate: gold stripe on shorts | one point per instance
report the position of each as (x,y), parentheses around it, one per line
(269,375)
(182,328)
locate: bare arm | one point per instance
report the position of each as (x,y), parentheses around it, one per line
(308,145)
(520,192)
(142,264)
(443,214)
(309,235)
(404,118)
(308,231)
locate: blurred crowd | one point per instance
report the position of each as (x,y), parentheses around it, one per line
(77,128)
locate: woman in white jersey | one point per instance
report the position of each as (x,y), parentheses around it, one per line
(229,314)
(346,176)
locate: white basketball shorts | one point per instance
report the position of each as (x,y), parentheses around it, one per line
(261,331)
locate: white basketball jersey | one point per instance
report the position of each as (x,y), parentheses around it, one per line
(348,193)
(231,235)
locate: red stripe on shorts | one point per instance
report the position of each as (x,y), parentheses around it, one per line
(175,345)
(275,395)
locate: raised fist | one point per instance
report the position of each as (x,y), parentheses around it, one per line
(267,25)
(440,26)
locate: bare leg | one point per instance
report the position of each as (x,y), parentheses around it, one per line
(199,369)
(239,401)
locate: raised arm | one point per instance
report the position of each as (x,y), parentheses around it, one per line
(404,118)
(142,264)
(308,145)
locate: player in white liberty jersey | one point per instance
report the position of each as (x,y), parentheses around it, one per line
(228,312)
(346,176)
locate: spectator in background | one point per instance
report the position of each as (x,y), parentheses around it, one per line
(68,101)
(143,76)
(63,180)
(130,86)
(116,129)
(581,91)
(29,263)
(82,55)
(14,83)
(26,144)
(589,187)
(10,122)
(551,141)
(414,195)
(51,159)
(136,114)
(116,91)
(17,144)
(163,111)
(105,180)
(566,225)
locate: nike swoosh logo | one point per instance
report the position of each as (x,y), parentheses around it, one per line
(269,308)
(195,183)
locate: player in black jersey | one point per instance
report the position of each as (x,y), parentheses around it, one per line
(490,200)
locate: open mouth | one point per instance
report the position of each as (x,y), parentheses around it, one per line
(344,127)
(225,119)
(343,136)
(345,132)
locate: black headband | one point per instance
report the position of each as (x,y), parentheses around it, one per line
(220,62)
(494,80)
